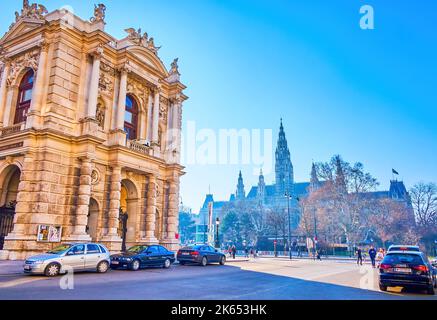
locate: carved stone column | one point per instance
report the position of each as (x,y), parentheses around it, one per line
(39,85)
(3,85)
(155,127)
(83,201)
(173,214)
(149,117)
(122,98)
(8,105)
(151,211)
(114,201)
(112,239)
(94,85)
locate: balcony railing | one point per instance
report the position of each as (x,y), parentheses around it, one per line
(138,147)
(6,131)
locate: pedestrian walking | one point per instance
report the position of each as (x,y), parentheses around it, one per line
(380,256)
(319,257)
(246,252)
(234,251)
(359,257)
(372,255)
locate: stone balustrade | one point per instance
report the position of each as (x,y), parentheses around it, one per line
(5,131)
(138,147)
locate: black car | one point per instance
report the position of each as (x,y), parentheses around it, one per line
(140,256)
(200,254)
(407,269)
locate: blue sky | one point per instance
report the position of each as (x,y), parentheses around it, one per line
(369,95)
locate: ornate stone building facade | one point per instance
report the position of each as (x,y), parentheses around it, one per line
(89,132)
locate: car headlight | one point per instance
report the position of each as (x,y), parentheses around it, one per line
(128,259)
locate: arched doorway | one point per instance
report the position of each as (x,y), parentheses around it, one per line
(93,216)
(9,180)
(128,213)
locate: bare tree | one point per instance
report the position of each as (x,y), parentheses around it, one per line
(424,200)
(344,193)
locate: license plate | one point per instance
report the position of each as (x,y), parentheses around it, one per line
(27,268)
(115,262)
(402,270)
(185,254)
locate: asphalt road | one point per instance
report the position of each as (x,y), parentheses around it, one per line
(262,278)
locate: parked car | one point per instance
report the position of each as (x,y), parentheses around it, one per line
(407,269)
(200,254)
(140,256)
(78,256)
(398,247)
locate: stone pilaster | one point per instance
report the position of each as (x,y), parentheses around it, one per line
(94,85)
(122,98)
(151,211)
(38,88)
(3,85)
(8,105)
(149,116)
(155,125)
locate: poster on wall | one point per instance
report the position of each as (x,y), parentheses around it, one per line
(47,233)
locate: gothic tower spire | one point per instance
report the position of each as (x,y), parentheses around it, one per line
(314,181)
(240,193)
(261,192)
(283,166)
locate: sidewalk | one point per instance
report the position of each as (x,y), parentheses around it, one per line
(330,258)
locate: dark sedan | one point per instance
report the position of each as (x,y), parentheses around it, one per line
(141,256)
(407,269)
(200,254)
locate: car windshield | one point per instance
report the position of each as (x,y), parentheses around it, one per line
(402,258)
(60,249)
(137,249)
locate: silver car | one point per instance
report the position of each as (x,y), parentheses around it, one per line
(70,256)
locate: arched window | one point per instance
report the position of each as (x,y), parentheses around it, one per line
(24,97)
(131,118)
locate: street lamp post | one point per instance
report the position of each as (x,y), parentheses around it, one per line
(217,224)
(288,196)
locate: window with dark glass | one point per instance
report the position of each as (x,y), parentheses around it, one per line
(131,118)
(24,97)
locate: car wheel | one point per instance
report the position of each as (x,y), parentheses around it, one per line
(102,267)
(222,260)
(431,290)
(167,264)
(135,265)
(204,262)
(52,270)
(382,288)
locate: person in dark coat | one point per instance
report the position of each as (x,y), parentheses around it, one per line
(372,255)
(359,257)
(234,251)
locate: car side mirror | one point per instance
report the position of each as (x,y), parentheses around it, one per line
(70,253)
